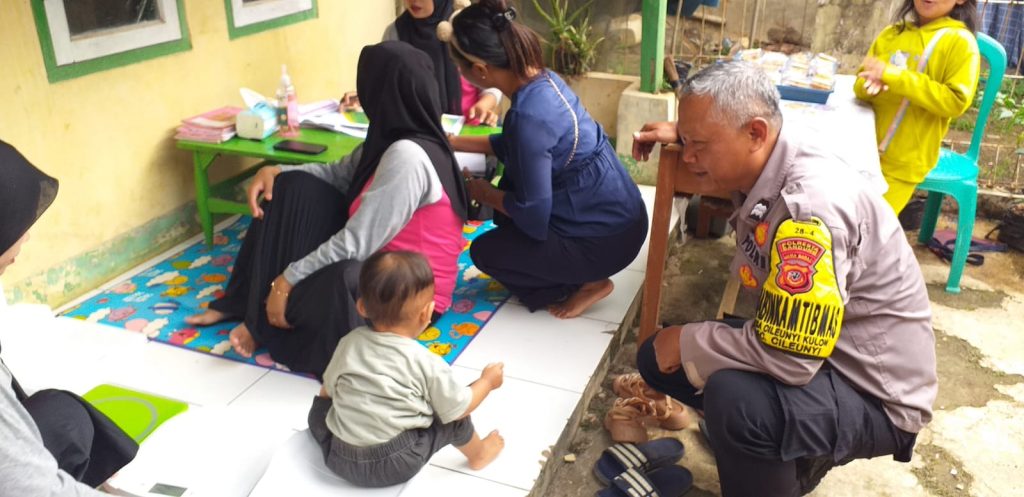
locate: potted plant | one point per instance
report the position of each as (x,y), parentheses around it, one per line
(572,49)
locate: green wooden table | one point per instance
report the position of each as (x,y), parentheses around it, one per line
(203,155)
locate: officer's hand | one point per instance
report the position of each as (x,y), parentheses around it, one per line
(650,135)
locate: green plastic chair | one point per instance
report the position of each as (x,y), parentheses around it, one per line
(956,174)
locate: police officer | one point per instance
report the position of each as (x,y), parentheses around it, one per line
(838,362)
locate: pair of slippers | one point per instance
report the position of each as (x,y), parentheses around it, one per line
(643,470)
(944,243)
(944,251)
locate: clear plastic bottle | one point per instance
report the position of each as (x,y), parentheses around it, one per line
(287,106)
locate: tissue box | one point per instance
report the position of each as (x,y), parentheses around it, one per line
(256,123)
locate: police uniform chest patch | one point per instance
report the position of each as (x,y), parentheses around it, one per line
(747,277)
(760,210)
(801,308)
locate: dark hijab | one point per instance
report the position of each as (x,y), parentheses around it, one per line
(422,34)
(25,193)
(401,101)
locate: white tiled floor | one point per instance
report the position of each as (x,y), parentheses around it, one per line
(181,374)
(434,481)
(533,347)
(613,308)
(280,398)
(528,415)
(67,355)
(244,413)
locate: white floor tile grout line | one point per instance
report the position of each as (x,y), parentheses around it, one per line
(524,380)
(588,318)
(475,475)
(251,386)
(131,273)
(265,370)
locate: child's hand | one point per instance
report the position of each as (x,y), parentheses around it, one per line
(494,374)
(872,68)
(349,101)
(872,72)
(481,113)
(874,87)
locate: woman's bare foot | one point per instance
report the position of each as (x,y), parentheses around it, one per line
(480,452)
(242,341)
(577,303)
(210,316)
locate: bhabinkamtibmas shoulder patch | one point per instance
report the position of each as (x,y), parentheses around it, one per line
(801,309)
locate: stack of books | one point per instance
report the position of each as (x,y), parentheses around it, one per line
(215,126)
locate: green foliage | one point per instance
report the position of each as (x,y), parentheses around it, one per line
(1007,117)
(1008,113)
(572,49)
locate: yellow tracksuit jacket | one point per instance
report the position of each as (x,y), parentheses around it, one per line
(943,91)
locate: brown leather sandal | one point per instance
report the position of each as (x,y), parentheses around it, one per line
(668,413)
(633,385)
(625,421)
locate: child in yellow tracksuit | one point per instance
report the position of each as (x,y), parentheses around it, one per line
(937,89)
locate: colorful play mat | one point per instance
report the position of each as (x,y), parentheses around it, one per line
(156,301)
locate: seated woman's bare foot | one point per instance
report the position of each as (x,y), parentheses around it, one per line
(481,452)
(242,341)
(577,303)
(208,317)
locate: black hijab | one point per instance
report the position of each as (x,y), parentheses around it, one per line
(422,34)
(401,101)
(25,193)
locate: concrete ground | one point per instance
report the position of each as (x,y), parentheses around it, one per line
(975,443)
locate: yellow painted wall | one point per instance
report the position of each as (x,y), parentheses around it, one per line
(107,136)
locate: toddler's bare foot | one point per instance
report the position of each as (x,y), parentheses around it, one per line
(242,341)
(481,452)
(577,303)
(210,316)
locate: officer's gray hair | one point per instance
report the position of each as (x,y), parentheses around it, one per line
(740,92)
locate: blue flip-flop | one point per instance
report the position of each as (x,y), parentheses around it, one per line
(645,457)
(670,481)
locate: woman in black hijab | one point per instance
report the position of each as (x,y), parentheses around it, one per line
(417,26)
(422,34)
(294,284)
(51,438)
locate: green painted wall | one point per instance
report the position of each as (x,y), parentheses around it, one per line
(71,278)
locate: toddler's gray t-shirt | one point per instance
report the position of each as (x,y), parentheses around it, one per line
(382,384)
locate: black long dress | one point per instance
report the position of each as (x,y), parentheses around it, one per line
(400,96)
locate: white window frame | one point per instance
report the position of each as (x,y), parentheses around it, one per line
(100,43)
(246,14)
